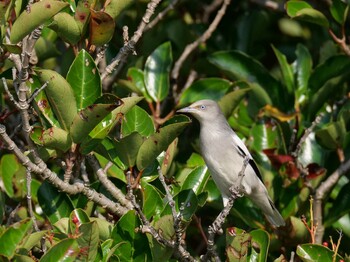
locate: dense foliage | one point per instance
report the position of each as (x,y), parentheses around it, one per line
(97,166)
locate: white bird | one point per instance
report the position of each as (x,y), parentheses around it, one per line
(224,154)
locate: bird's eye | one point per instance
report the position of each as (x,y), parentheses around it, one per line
(202,107)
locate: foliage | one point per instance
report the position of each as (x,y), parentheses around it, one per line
(92,135)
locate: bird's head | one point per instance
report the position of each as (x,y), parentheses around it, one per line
(203,110)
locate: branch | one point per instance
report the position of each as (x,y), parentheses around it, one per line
(203,38)
(46,174)
(322,192)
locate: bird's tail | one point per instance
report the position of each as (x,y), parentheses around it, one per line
(269,210)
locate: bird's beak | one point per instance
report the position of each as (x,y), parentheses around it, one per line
(185,110)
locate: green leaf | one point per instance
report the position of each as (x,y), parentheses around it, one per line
(104,127)
(55,204)
(87,119)
(39,13)
(12,237)
(237,244)
(213,88)
(159,142)
(152,200)
(231,100)
(260,244)
(104,228)
(303,11)
(187,204)
(157,69)
(89,240)
(101,28)
(339,11)
(115,7)
(315,253)
(52,138)
(137,120)
(127,149)
(287,71)
(84,78)
(33,240)
(66,27)
(67,250)
(242,67)
(9,166)
(124,232)
(334,66)
(76,218)
(106,148)
(332,135)
(82,16)
(197,180)
(136,76)
(168,157)
(302,68)
(60,95)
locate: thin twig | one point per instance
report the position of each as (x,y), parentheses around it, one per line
(37,92)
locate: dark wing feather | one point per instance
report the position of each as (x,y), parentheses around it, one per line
(251,163)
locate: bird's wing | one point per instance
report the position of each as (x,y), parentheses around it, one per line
(243,151)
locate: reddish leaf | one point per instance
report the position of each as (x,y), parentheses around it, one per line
(277,160)
(315,170)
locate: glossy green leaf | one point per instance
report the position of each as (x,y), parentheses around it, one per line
(197,179)
(264,136)
(89,240)
(87,119)
(156,73)
(9,165)
(152,200)
(159,142)
(334,66)
(105,126)
(260,244)
(332,135)
(212,88)
(127,148)
(52,138)
(67,250)
(168,157)
(187,204)
(12,237)
(115,7)
(39,13)
(55,205)
(137,120)
(32,240)
(82,16)
(340,207)
(124,232)
(136,76)
(101,28)
(108,249)
(240,66)
(46,49)
(339,11)
(66,27)
(106,148)
(315,253)
(231,100)
(237,244)
(104,228)
(84,78)
(302,68)
(287,71)
(60,95)
(303,11)
(76,218)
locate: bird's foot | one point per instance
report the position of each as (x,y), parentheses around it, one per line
(237,191)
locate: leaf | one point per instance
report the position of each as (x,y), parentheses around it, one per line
(136,76)
(89,240)
(156,73)
(11,238)
(115,7)
(101,28)
(339,11)
(197,180)
(332,135)
(105,126)
(66,27)
(159,142)
(187,202)
(55,205)
(287,71)
(76,218)
(52,138)
(9,166)
(314,253)
(231,100)
(213,88)
(152,200)
(303,11)
(137,120)
(66,250)
(237,244)
(87,119)
(302,68)
(274,112)
(242,67)
(84,78)
(124,232)
(260,244)
(82,15)
(168,157)
(39,13)
(60,95)
(127,148)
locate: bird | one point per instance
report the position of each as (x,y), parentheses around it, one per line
(224,154)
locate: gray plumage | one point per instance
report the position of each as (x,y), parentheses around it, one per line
(224,152)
